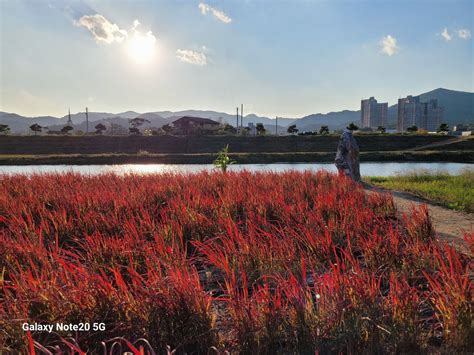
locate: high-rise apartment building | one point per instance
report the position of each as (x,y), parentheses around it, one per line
(373,114)
(413,112)
(434,115)
(409,113)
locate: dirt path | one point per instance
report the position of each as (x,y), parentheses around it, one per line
(449,225)
(439,144)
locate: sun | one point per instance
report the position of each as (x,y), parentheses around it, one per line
(141,47)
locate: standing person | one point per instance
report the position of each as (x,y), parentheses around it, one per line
(347,156)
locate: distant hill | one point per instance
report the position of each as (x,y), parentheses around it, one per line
(226,118)
(155,120)
(459,108)
(79,117)
(334,120)
(21,124)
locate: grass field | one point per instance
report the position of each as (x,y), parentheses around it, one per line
(197,144)
(452,191)
(252,263)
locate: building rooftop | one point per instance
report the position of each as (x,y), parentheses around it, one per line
(188,119)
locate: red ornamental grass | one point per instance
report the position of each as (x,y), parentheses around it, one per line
(250,262)
(451,293)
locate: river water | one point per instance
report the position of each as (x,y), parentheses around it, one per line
(366,169)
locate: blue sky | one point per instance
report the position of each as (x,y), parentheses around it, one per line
(285,58)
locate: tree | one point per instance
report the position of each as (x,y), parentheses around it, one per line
(167,128)
(412,129)
(136,123)
(324,130)
(4,129)
(36,128)
(292,129)
(224,129)
(116,129)
(352,127)
(381,129)
(443,127)
(260,129)
(100,128)
(66,129)
(134,131)
(230,129)
(223,160)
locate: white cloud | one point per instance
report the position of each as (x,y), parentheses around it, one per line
(102,29)
(464,34)
(389,45)
(204,8)
(192,57)
(445,34)
(218,14)
(140,45)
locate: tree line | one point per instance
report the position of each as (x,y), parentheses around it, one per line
(137,122)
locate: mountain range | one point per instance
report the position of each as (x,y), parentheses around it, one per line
(458,108)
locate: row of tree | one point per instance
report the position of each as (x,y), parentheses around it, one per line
(293,130)
(443,127)
(136,123)
(99,128)
(322,130)
(36,128)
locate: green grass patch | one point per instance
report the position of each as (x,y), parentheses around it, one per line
(452,191)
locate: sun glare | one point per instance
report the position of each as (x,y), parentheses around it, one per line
(141,48)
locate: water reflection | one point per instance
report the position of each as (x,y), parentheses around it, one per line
(367,169)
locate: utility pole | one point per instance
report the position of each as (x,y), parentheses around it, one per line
(237,126)
(87,121)
(276,126)
(242,115)
(69,121)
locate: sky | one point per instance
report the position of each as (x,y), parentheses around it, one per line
(278,58)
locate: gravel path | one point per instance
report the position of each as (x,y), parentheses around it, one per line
(449,225)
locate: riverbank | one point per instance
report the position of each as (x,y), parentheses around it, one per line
(241,158)
(452,191)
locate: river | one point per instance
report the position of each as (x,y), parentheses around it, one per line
(367,168)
